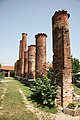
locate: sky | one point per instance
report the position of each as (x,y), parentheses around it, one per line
(33,17)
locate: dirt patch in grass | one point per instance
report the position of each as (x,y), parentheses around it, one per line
(13,107)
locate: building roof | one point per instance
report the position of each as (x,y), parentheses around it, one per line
(7,67)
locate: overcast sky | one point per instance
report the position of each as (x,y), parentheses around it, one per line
(32,17)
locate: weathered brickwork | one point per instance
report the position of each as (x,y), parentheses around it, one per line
(40,54)
(23,48)
(24,44)
(20,49)
(26,64)
(31,62)
(62,56)
(17,68)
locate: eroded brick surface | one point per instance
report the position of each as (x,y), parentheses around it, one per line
(31,62)
(40,54)
(26,64)
(62,56)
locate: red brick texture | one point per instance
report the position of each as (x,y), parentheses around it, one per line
(31,62)
(62,56)
(23,48)
(40,54)
(26,64)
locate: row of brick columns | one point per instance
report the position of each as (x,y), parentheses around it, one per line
(32,62)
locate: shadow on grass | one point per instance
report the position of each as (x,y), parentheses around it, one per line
(37,103)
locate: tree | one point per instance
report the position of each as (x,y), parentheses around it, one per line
(75,70)
(44,92)
(75,65)
(0,67)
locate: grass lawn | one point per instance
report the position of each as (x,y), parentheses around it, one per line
(28,92)
(2,85)
(8,78)
(13,107)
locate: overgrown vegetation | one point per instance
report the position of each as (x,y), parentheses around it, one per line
(2,74)
(44,91)
(76,89)
(75,71)
(71,105)
(54,75)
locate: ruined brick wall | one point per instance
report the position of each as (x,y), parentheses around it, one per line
(62,56)
(31,62)
(26,64)
(40,54)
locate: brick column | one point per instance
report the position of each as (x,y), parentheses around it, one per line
(26,64)
(20,49)
(40,54)
(62,57)
(23,48)
(15,68)
(31,62)
(8,73)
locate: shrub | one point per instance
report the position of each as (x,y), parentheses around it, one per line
(74,79)
(44,91)
(71,105)
(54,75)
(49,73)
(79,106)
(1,75)
(78,84)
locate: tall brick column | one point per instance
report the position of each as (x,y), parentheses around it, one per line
(23,45)
(62,57)
(8,73)
(31,62)
(15,68)
(40,54)
(26,64)
(20,49)
(18,67)
(20,57)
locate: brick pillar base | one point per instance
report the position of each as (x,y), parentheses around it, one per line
(8,73)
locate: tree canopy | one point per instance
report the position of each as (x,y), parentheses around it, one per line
(75,65)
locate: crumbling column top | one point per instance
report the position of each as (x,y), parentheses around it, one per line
(32,46)
(24,34)
(20,40)
(40,34)
(60,12)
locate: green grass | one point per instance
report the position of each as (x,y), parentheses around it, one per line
(28,93)
(47,109)
(76,90)
(2,85)
(1,91)
(13,105)
(8,78)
